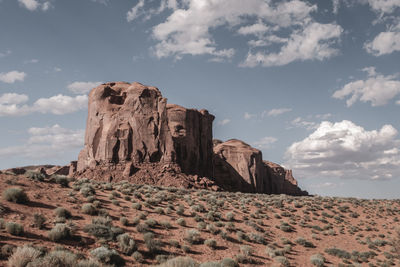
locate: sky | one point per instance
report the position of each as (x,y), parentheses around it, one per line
(315,85)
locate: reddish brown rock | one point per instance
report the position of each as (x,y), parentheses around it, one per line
(192,138)
(239,167)
(126,123)
(131,134)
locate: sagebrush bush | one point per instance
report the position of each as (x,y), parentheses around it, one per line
(212,243)
(22,256)
(181,222)
(61,180)
(59,232)
(62,212)
(88,208)
(39,220)
(16,195)
(126,244)
(56,258)
(35,175)
(14,228)
(137,256)
(228,262)
(317,260)
(108,256)
(180,262)
(193,236)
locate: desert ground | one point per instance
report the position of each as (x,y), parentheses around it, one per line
(59,221)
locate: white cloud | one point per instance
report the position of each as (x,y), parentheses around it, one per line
(224,122)
(12,104)
(82,87)
(13,98)
(384,43)
(346,150)
(188,30)
(265,142)
(46,142)
(60,104)
(384,6)
(134,12)
(335,6)
(299,122)
(324,185)
(33,5)
(276,112)
(313,42)
(248,116)
(12,76)
(377,89)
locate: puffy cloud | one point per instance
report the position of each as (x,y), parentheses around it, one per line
(11,104)
(384,6)
(224,122)
(313,42)
(46,142)
(377,89)
(60,104)
(12,76)
(82,87)
(13,98)
(346,150)
(188,30)
(275,112)
(33,5)
(384,43)
(265,142)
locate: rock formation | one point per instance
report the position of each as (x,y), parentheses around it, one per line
(240,167)
(192,138)
(133,134)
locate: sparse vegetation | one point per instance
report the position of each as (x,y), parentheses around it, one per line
(16,195)
(266,229)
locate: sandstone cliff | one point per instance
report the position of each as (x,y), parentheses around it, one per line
(133,134)
(240,167)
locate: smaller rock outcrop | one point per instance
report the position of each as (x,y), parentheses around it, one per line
(240,167)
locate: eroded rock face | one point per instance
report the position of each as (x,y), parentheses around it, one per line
(132,134)
(192,138)
(240,167)
(126,123)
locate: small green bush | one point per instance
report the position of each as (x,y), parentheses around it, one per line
(137,256)
(14,228)
(16,195)
(181,222)
(108,256)
(38,220)
(211,243)
(62,213)
(228,262)
(180,262)
(22,256)
(61,180)
(88,208)
(126,244)
(59,232)
(317,260)
(193,236)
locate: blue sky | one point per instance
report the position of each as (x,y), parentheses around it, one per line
(315,85)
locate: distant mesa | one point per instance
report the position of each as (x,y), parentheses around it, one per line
(133,134)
